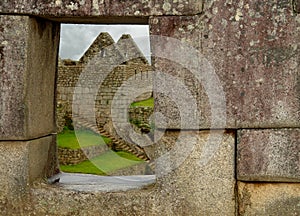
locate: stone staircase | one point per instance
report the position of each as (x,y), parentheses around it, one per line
(117,143)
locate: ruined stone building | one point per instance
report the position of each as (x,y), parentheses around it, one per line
(226,89)
(69,74)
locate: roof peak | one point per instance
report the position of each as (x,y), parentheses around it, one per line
(125,46)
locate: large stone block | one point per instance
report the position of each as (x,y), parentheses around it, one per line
(56,8)
(22,162)
(269,155)
(195,173)
(268,199)
(28,64)
(256,62)
(59,201)
(81,10)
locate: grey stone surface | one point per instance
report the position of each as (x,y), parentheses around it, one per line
(90,8)
(57,201)
(257,66)
(28,56)
(21,163)
(42,158)
(191,188)
(195,173)
(13,169)
(14,35)
(40,76)
(262,199)
(254,49)
(269,155)
(144,8)
(93,183)
(257,61)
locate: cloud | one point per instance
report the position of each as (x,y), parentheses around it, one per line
(76,38)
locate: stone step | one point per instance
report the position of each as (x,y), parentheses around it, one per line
(119,144)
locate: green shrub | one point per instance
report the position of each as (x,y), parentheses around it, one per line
(68,122)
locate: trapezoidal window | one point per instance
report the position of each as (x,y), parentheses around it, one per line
(104,99)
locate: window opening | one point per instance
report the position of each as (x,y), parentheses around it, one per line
(99,149)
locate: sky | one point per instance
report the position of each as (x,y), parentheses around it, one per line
(75,39)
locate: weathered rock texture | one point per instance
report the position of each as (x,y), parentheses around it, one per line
(89,8)
(254,55)
(191,189)
(22,162)
(137,169)
(28,64)
(27,109)
(268,199)
(192,182)
(269,155)
(256,60)
(253,47)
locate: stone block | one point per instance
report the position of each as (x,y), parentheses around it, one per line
(257,70)
(195,173)
(23,162)
(148,8)
(43,161)
(60,201)
(28,63)
(57,8)
(268,155)
(91,8)
(268,199)
(257,66)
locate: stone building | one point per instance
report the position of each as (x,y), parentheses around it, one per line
(69,73)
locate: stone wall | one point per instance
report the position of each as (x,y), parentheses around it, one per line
(75,156)
(253,48)
(140,114)
(61,113)
(66,81)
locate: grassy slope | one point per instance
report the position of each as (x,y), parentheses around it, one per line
(145,103)
(105,163)
(68,139)
(100,165)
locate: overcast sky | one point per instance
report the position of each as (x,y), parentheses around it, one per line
(75,39)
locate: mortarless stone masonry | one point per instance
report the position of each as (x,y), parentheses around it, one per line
(253,47)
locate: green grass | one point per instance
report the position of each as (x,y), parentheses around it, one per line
(68,139)
(144,103)
(84,167)
(105,163)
